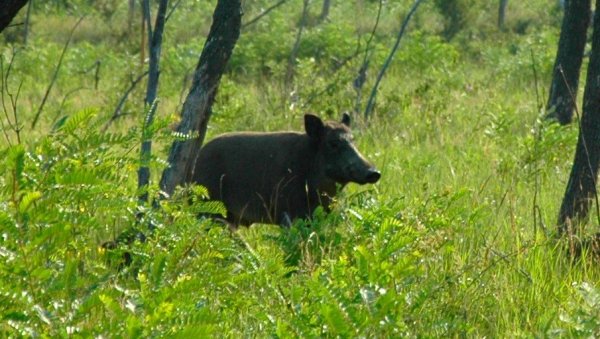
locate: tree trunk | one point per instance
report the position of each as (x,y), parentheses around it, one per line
(27,23)
(131,17)
(217,50)
(289,73)
(454,13)
(571,45)
(388,60)
(8,10)
(154,47)
(502,13)
(581,188)
(325,10)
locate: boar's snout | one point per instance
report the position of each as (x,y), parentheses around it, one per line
(372,176)
(369,175)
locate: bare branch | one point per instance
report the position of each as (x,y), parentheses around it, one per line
(55,76)
(289,74)
(27,23)
(390,57)
(263,13)
(172,10)
(361,78)
(117,113)
(14,125)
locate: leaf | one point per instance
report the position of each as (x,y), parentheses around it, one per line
(196,331)
(29,199)
(110,304)
(79,176)
(158,269)
(77,121)
(15,316)
(16,161)
(59,123)
(334,318)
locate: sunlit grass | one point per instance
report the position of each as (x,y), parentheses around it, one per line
(457,239)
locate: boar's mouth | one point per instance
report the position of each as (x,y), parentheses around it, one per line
(368,176)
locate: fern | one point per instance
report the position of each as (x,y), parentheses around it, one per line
(77,121)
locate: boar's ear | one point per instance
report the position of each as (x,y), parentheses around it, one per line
(314,126)
(346,120)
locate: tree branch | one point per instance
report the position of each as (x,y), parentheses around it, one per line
(117,113)
(55,75)
(263,13)
(371,102)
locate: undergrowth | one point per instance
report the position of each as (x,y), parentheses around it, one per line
(457,240)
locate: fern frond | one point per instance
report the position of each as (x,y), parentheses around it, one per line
(78,121)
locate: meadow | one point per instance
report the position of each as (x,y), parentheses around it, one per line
(457,239)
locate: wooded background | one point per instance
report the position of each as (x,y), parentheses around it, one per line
(483,118)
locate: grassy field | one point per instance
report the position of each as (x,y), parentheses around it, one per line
(456,240)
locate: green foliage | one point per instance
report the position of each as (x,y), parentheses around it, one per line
(457,240)
(455,14)
(582,319)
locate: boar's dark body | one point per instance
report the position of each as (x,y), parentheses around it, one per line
(278,177)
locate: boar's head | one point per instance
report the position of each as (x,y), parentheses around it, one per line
(337,157)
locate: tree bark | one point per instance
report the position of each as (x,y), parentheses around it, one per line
(502,13)
(581,188)
(130,16)
(27,23)
(8,10)
(571,45)
(325,10)
(196,112)
(289,73)
(154,48)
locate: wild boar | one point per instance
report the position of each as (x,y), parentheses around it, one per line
(277,177)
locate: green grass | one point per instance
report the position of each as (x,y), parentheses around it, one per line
(457,239)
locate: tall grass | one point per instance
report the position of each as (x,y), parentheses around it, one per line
(457,239)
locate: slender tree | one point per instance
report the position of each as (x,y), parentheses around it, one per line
(502,13)
(386,64)
(289,74)
(197,108)
(581,188)
(27,22)
(571,45)
(154,48)
(454,16)
(8,10)
(325,10)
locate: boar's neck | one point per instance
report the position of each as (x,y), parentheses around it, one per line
(322,189)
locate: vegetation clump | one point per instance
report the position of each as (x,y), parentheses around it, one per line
(458,238)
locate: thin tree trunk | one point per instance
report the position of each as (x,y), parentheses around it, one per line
(221,40)
(8,10)
(55,75)
(581,188)
(325,10)
(131,16)
(289,74)
(263,13)
(571,45)
(143,37)
(154,48)
(27,22)
(502,13)
(386,64)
